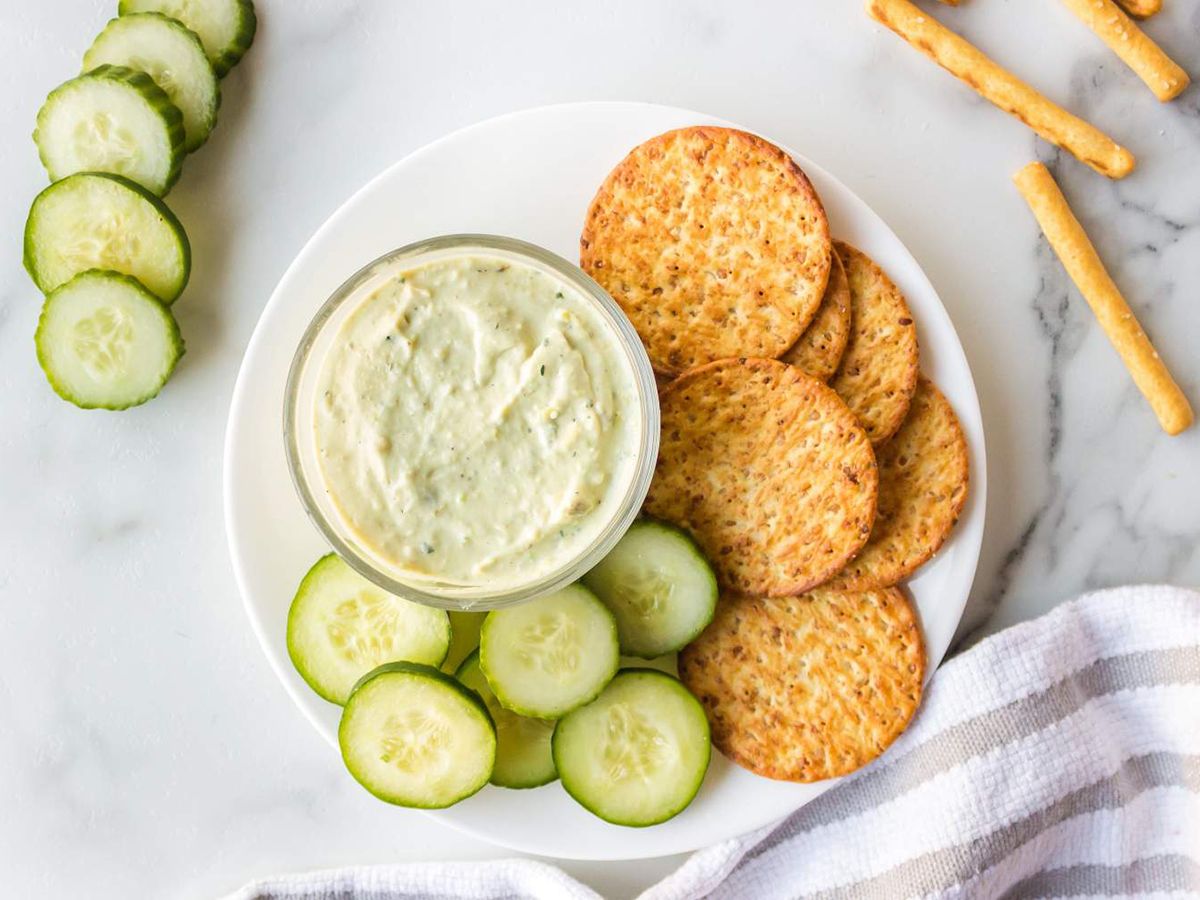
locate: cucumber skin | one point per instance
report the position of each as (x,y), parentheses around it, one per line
(188,147)
(173,327)
(473,657)
(639,670)
(507,703)
(648,521)
(452,666)
(158,100)
(242,39)
(302,670)
(159,206)
(410,668)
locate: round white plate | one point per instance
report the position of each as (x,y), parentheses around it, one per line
(531,175)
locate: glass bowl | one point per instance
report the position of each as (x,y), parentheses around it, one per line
(300,442)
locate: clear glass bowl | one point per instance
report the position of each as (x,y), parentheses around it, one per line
(300,443)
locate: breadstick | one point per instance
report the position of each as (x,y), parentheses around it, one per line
(1135,48)
(1141,9)
(1078,256)
(964,60)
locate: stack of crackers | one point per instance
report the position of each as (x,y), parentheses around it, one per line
(801,447)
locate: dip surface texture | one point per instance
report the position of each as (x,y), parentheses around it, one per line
(476,422)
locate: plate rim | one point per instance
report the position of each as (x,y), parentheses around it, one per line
(331,222)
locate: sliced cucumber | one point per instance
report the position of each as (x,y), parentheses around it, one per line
(172,55)
(464,638)
(414,736)
(341,626)
(226,27)
(659,587)
(547,656)
(96,221)
(114,120)
(668,663)
(635,755)
(523,757)
(105,342)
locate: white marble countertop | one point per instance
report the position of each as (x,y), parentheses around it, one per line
(147,749)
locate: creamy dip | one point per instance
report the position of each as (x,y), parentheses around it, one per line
(476,422)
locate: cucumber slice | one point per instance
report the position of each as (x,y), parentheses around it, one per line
(659,587)
(547,656)
(464,638)
(523,757)
(414,736)
(172,55)
(341,626)
(635,755)
(668,663)
(225,27)
(105,342)
(96,221)
(114,120)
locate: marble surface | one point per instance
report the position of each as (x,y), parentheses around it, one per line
(147,749)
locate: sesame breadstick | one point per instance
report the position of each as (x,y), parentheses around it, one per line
(1079,258)
(1141,9)
(1135,48)
(995,83)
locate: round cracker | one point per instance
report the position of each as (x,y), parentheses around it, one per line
(768,470)
(923,483)
(879,369)
(820,348)
(811,687)
(714,243)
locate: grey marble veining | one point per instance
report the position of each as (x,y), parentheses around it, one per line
(147,749)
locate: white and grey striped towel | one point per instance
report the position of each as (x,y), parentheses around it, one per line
(1059,758)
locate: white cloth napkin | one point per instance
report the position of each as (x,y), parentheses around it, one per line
(1059,758)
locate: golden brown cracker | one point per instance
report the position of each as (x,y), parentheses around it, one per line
(820,348)
(880,366)
(713,242)
(811,687)
(923,483)
(768,470)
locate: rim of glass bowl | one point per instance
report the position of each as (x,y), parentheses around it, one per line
(457,597)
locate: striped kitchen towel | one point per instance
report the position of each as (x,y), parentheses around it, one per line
(1059,758)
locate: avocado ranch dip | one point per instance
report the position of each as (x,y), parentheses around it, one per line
(476,422)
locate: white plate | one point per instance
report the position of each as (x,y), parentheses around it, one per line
(530,175)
